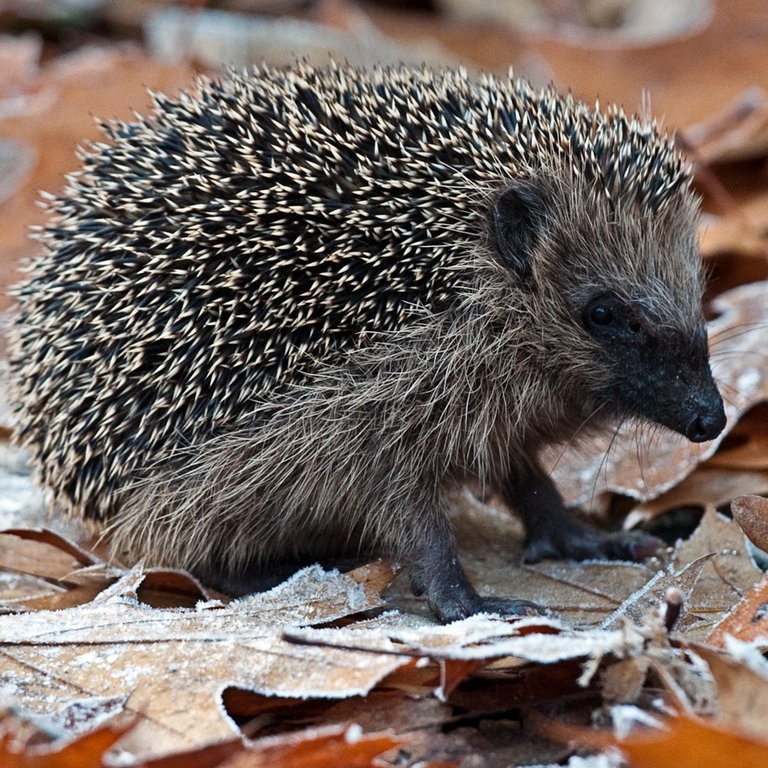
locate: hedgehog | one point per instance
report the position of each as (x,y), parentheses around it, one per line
(284,317)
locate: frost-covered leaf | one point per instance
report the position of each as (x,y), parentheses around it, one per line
(478,638)
(742,690)
(52,572)
(652,595)
(747,620)
(172,663)
(728,575)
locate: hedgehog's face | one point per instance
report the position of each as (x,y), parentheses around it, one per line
(622,304)
(654,371)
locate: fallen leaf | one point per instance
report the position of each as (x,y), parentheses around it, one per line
(705,487)
(208,756)
(172,662)
(747,620)
(85,751)
(682,741)
(69,575)
(537,640)
(738,131)
(26,552)
(729,574)
(742,692)
(653,594)
(333,746)
(746,446)
(751,513)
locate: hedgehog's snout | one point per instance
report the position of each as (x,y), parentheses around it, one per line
(708,419)
(699,414)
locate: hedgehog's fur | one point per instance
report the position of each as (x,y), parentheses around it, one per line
(285,317)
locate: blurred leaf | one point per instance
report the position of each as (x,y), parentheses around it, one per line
(681,741)
(742,691)
(86,751)
(343,746)
(751,513)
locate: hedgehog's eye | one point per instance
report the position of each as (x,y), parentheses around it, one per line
(600,314)
(606,317)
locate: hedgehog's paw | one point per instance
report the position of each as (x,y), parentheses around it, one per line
(582,542)
(509,607)
(629,545)
(452,599)
(459,604)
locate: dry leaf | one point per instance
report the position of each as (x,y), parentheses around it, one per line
(172,662)
(86,751)
(705,487)
(682,741)
(729,574)
(742,693)
(117,645)
(653,594)
(208,756)
(748,619)
(482,639)
(751,513)
(689,742)
(333,746)
(65,575)
(396,704)
(26,552)
(739,131)
(728,47)
(746,447)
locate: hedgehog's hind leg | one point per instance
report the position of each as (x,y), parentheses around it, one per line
(553,532)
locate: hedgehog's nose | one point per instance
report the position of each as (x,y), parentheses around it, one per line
(708,423)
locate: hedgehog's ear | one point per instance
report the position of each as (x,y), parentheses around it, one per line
(518,217)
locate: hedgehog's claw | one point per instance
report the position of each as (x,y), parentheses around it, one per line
(583,542)
(554,533)
(460,603)
(451,597)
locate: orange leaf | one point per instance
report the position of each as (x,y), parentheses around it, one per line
(334,746)
(694,743)
(751,513)
(682,742)
(85,751)
(748,620)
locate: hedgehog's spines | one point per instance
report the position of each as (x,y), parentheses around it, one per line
(281,251)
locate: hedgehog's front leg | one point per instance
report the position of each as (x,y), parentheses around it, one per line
(553,532)
(438,574)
